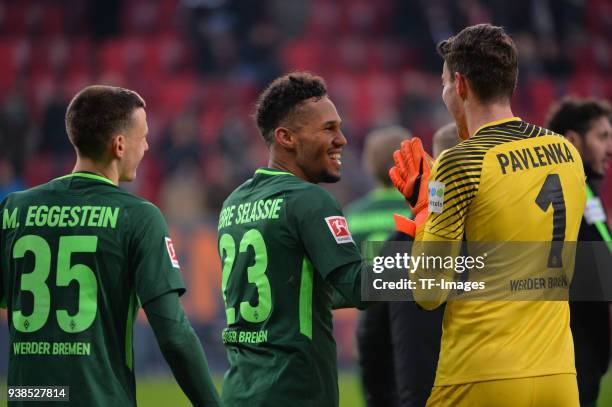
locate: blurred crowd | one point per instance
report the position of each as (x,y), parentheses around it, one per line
(199,65)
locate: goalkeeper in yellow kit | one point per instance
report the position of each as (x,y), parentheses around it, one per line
(508,181)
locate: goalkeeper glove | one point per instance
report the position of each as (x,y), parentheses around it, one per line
(410,175)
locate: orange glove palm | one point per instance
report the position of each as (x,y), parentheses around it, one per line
(410,175)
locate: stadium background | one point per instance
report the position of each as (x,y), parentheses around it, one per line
(199,64)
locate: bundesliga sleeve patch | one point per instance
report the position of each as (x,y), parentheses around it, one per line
(172,253)
(436,196)
(339,229)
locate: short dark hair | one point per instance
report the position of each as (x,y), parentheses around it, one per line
(576,114)
(96,113)
(487,56)
(282,96)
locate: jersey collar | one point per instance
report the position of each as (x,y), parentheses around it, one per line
(89,175)
(498,122)
(271,171)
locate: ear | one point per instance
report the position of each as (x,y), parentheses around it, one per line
(461,85)
(118,146)
(284,138)
(575,139)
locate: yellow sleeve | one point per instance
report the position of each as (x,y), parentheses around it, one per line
(453,185)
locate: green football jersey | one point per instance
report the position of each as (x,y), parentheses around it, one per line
(371,217)
(279,238)
(78,256)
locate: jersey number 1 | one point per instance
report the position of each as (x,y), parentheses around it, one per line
(36,283)
(552,194)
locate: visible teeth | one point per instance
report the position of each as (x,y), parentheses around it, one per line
(335,156)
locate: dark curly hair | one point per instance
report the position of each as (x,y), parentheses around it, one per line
(576,114)
(487,56)
(282,96)
(96,113)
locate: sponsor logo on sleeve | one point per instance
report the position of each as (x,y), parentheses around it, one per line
(172,253)
(339,229)
(436,196)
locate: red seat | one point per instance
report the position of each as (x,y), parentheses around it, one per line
(141,16)
(123,55)
(14,21)
(9,49)
(542,94)
(76,79)
(110,56)
(303,54)
(176,93)
(53,20)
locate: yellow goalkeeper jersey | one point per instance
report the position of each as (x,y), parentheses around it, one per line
(510,181)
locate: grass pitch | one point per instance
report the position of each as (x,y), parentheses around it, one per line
(153,392)
(163,391)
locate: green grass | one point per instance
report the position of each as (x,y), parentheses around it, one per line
(153,392)
(605,394)
(160,392)
(163,391)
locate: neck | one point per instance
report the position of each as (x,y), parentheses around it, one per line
(280,162)
(106,170)
(478,114)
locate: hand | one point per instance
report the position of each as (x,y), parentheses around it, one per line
(410,175)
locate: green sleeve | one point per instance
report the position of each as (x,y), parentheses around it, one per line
(152,256)
(323,231)
(182,349)
(346,281)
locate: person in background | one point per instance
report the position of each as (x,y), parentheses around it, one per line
(9,180)
(370,219)
(416,333)
(586,124)
(444,138)
(398,367)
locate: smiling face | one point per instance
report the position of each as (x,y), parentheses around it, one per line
(318,140)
